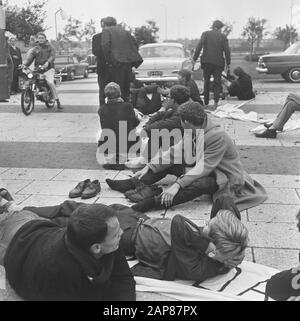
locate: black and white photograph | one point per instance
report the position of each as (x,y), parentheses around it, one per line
(149,151)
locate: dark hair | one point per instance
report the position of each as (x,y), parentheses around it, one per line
(180,94)
(185,73)
(88,225)
(41,34)
(217,24)
(192,112)
(109,21)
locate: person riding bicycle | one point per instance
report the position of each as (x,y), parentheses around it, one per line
(43,54)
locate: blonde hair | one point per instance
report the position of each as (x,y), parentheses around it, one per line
(228,232)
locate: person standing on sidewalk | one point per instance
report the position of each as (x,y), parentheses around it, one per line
(120,51)
(214,45)
(16,56)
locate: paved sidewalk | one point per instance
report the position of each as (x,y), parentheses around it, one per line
(70,138)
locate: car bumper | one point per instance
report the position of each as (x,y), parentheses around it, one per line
(62,74)
(262,70)
(157,79)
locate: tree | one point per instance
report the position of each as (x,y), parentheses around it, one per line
(146,33)
(73,28)
(254,31)
(27,20)
(288,34)
(89,30)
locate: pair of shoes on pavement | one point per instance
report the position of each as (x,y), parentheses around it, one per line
(86,189)
(142,192)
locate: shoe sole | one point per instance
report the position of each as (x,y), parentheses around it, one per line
(74,196)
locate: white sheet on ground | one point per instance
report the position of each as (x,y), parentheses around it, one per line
(245,283)
(233,111)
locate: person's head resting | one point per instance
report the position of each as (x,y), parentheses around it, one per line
(217,25)
(41,38)
(112,91)
(94,228)
(228,234)
(184,76)
(180,94)
(192,115)
(108,22)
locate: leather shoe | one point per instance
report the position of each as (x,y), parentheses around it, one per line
(267,125)
(144,193)
(79,188)
(122,185)
(91,190)
(4,193)
(268,133)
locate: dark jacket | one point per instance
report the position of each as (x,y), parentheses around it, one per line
(41,54)
(16,55)
(194,91)
(119,46)
(41,264)
(98,52)
(284,285)
(214,45)
(111,114)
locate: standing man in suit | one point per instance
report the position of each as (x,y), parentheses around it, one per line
(118,50)
(214,45)
(16,56)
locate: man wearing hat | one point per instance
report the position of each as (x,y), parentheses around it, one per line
(214,45)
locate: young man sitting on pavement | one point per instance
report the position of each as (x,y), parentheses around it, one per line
(67,254)
(291,105)
(217,167)
(48,258)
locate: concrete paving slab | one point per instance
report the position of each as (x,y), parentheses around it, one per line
(42,200)
(278,181)
(14,185)
(3,169)
(42,174)
(273,235)
(115,200)
(273,213)
(282,196)
(277,258)
(79,175)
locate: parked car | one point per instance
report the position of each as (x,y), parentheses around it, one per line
(69,68)
(286,63)
(162,61)
(91,60)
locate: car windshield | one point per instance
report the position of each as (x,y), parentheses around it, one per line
(162,51)
(61,60)
(293,49)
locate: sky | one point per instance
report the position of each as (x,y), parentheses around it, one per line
(175,18)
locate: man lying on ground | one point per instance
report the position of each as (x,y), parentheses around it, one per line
(54,255)
(197,253)
(291,105)
(285,286)
(216,170)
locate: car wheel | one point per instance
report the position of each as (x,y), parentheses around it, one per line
(293,75)
(72,75)
(86,73)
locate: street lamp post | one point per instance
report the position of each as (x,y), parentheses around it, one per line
(60,10)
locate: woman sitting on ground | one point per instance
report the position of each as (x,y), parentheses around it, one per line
(113,115)
(242,86)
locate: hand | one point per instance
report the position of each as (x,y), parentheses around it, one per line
(234,262)
(140,174)
(168,195)
(15,57)
(45,65)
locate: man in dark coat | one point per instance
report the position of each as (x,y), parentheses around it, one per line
(214,45)
(71,254)
(15,53)
(120,51)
